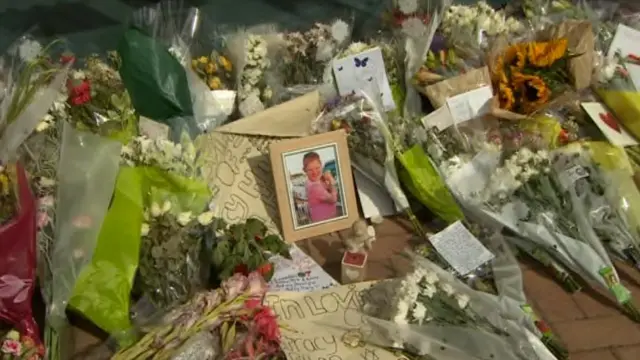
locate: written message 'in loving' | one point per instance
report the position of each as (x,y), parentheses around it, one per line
(325,325)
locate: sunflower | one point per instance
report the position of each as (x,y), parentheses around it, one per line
(505,95)
(533,90)
(544,54)
(516,56)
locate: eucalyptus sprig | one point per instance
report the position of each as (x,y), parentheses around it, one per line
(245,247)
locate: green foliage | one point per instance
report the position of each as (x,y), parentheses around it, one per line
(245,247)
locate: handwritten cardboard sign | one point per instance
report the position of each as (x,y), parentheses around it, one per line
(326,325)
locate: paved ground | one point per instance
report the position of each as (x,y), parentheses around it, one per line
(587,322)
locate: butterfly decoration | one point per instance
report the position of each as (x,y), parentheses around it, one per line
(341,68)
(361,62)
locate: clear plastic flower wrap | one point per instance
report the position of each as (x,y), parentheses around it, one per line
(306,59)
(87,172)
(429,312)
(416,22)
(156,69)
(254,51)
(156,191)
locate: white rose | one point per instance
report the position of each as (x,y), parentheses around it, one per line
(166,207)
(144,229)
(185,218)
(447,289)
(205,218)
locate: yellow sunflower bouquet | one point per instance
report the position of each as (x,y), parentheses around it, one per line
(528,75)
(215,70)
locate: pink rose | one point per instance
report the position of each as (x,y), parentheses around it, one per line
(12,347)
(267,325)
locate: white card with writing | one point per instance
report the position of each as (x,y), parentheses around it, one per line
(440,119)
(470,104)
(626,40)
(300,274)
(460,248)
(364,72)
(608,124)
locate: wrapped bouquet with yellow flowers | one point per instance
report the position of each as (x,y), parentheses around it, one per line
(528,75)
(215,70)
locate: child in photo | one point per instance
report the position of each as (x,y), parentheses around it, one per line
(322,195)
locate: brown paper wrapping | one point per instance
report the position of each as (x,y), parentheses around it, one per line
(439,92)
(581,42)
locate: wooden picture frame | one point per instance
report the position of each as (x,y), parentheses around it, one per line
(314,185)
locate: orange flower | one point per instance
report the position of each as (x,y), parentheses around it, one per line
(516,56)
(533,90)
(544,54)
(505,95)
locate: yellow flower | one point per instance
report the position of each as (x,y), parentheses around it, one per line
(203,60)
(226,64)
(214,83)
(515,56)
(505,95)
(210,68)
(4,185)
(194,64)
(544,54)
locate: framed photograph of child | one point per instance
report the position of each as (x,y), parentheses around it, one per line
(314,185)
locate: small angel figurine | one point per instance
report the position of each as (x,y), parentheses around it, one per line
(361,238)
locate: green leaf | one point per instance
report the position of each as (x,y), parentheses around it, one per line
(271,243)
(254,227)
(237,232)
(224,329)
(230,338)
(217,256)
(240,248)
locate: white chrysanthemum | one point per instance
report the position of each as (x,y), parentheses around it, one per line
(419,312)
(408,7)
(206,218)
(414,27)
(428,290)
(46,182)
(356,48)
(463,300)
(185,218)
(447,289)
(144,229)
(339,31)
(28,50)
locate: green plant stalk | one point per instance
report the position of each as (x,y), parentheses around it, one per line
(168,333)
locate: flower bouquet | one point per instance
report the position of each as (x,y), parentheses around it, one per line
(544,198)
(527,75)
(20,347)
(170,269)
(254,51)
(244,248)
(307,58)
(429,313)
(233,318)
(215,70)
(29,89)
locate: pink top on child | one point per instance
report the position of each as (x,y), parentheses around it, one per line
(322,204)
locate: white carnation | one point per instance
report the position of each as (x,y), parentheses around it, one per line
(339,31)
(414,28)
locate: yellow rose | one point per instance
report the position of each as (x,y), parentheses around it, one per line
(210,68)
(203,59)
